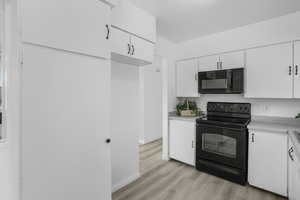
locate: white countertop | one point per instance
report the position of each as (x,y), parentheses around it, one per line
(174,116)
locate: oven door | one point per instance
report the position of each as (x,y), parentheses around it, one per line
(222,145)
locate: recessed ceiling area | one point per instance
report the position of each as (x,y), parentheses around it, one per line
(182,20)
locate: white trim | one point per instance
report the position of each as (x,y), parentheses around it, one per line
(165,109)
(125,182)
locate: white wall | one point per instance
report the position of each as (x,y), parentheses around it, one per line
(276,30)
(125,125)
(285,28)
(166,49)
(151,101)
(9,152)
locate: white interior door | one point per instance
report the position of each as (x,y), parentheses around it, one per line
(267,166)
(269,72)
(65,124)
(182,141)
(187,78)
(79,26)
(297,70)
(233,60)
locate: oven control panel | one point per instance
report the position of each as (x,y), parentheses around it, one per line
(224,107)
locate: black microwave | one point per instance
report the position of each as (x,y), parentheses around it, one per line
(230,81)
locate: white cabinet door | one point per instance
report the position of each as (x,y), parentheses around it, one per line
(142,50)
(233,60)
(297,70)
(187,78)
(65,123)
(267,166)
(208,63)
(269,72)
(128,17)
(79,26)
(120,42)
(182,141)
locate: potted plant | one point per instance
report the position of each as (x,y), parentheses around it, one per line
(187,108)
(298,116)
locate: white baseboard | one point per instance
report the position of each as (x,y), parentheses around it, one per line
(125,182)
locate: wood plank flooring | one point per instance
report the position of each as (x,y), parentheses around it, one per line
(172,180)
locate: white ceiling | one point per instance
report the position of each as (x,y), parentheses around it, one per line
(181,20)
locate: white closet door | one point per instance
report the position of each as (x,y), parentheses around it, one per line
(78,26)
(269,72)
(65,124)
(187,78)
(297,70)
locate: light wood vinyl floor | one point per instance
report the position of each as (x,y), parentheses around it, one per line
(172,180)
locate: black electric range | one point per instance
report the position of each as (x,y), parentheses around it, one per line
(222,141)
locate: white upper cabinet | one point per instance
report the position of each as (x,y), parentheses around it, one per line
(269,72)
(120,42)
(222,61)
(142,50)
(233,60)
(187,78)
(297,70)
(128,17)
(208,63)
(78,26)
(127,48)
(267,166)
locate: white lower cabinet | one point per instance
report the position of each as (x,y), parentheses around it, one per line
(267,167)
(182,136)
(293,174)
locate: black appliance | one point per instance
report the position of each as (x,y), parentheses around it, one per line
(230,81)
(222,141)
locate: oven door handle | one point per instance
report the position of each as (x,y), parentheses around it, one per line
(216,126)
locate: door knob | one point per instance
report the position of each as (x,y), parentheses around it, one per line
(108,141)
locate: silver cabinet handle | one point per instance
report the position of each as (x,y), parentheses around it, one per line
(296,70)
(252,137)
(196,76)
(290,70)
(192,144)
